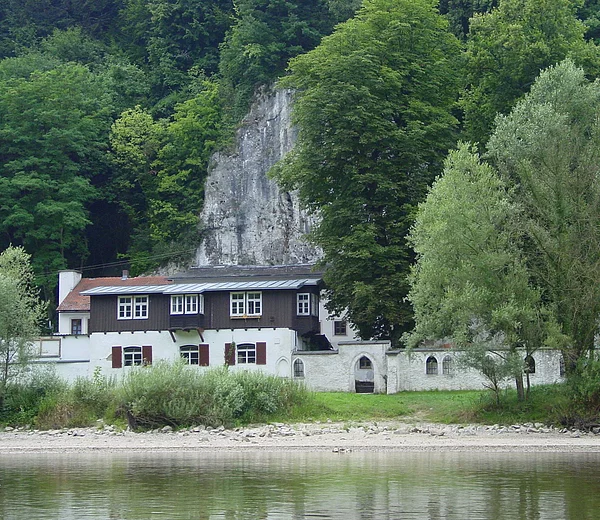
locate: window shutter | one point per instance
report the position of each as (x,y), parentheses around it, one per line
(229,354)
(117,357)
(147,355)
(261,353)
(203,355)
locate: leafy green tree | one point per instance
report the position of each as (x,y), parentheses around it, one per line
(21,314)
(508,47)
(470,282)
(53,134)
(547,148)
(373,108)
(161,167)
(265,35)
(460,12)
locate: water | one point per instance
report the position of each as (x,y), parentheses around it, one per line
(299,485)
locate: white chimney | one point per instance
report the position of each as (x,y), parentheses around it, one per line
(67,280)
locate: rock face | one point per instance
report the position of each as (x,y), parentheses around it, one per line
(247,219)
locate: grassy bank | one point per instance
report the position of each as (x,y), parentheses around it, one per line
(179,396)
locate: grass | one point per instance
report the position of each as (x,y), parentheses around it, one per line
(458,407)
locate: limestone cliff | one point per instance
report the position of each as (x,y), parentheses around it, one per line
(247,219)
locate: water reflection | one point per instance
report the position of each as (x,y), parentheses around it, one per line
(321,485)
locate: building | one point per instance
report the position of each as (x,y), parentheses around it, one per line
(268,318)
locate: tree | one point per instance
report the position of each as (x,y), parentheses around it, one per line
(21,314)
(373,108)
(506,50)
(265,35)
(548,149)
(470,282)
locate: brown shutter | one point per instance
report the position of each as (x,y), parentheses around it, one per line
(203,355)
(147,355)
(117,357)
(261,353)
(229,354)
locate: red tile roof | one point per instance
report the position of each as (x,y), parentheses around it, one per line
(75,301)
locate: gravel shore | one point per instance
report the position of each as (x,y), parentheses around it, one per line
(329,436)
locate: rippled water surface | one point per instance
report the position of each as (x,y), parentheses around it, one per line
(297,485)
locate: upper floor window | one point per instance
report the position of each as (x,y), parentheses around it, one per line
(132,307)
(76,327)
(187,304)
(307,304)
(245,304)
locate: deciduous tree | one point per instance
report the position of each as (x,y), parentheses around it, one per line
(374,111)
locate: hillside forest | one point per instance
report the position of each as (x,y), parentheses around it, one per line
(111,109)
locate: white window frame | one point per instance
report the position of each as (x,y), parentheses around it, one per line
(245,304)
(303,304)
(140,307)
(125,308)
(307,304)
(132,356)
(133,307)
(177,304)
(187,304)
(190,353)
(246,354)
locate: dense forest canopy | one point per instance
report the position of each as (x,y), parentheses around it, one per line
(111,109)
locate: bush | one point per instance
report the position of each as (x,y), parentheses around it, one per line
(179,395)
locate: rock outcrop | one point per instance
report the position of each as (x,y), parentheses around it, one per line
(247,219)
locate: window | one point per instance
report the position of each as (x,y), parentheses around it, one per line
(191,354)
(447,366)
(76,327)
(339,328)
(364,363)
(561,366)
(125,307)
(246,354)
(298,368)
(529,364)
(187,304)
(132,307)
(132,356)
(303,304)
(431,366)
(140,306)
(308,304)
(245,304)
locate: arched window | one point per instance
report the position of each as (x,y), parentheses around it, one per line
(132,356)
(191,354)
(364,363)
(529,364)
(298,368)
(447,366)
(431,366)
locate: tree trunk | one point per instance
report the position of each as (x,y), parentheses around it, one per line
(520,389)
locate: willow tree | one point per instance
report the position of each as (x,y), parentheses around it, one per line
(548,148)
(470,282)
(373,106)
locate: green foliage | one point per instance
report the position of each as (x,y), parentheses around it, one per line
(460,12)
(263,38)
(547,148)
(21,314)
(373,109)
(179,395)
(508,47)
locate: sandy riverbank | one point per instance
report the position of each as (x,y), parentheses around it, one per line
(368,436)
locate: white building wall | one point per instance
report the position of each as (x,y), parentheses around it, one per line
(334,370)
(327,325)
(64,321)
(407,371)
